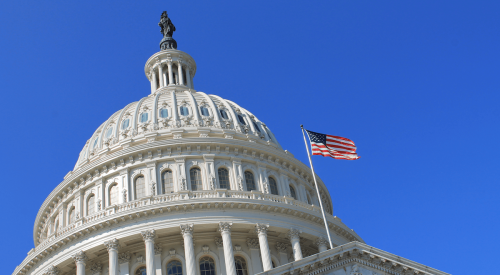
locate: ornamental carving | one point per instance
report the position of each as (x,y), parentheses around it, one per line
(95,268)
(218,242)
(294,233)
(52,270)
(158,249)
(80,257)
(171,252)
(253,243)
(205,249)
(261,228)
(124,257)
(113,244)
(148,235)
(187,229)
(321,241)
(225,226)
(281,247)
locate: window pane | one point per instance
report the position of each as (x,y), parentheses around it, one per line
(109,132)
(164,113)
(141,271)
(292,192)
(223,114)
(184,111)
(273,186)
(223,178)
(196,183)
(174,268)
(113,195)
(241,265)
(204,111)
(140,187)
(91,205)
(242,120)
(207,266)
(95,142)
(125,124)
(249,180)
(144,117)
(168,182)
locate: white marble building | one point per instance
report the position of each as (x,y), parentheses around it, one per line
(182,182)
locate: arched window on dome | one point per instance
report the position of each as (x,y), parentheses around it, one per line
(207,266)
(204,111)
(256,127)
(125,124)
(292,192)
(144,117)
(56,225)
(223,114)
(140,187)
(174,268)
(250,181)
(223,178)
(109,132)
(71,216)
(184,111)
(90,205)
(95,142)
(196,183)
(309,201)
(164,113)
(141,271)
(241,119)
(167,181)
(273,186)
(241,265)
(113,194)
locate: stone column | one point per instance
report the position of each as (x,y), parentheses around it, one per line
(293,234)
(188,77)
(261,230)
(220,248)
(160,75)
(80,261)
(149,240)
(225,231)
(281,247)
(158,250)
(322,244)
(187,233)
(253,245)
(124,186)
(181,74)
(170,73)
(112,247)
(152,75)
(210,174)
(123,260)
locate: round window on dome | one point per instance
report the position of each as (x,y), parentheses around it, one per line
(223,114)
(144,117)
(164,113)
(184,111)
(109,132)
(204,111)
(125,123)
(241,119)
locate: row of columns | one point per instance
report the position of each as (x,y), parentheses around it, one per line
(153,253)
(167,78)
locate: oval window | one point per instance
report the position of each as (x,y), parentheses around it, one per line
(241,119)
(164,113)
(109,132)
(223,114)
(184,111)
(144,117)
(204,111)
(125,123)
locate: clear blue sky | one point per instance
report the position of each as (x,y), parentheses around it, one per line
(414,83)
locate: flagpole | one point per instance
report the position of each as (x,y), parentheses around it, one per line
(317,189)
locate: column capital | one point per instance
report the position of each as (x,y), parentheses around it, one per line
(294,233)
(124,257)
(253,243)
(148,235)
(261,228)
(225,226)
(113,244)
(218,242)
(281,247)
(95,268)
(187,229)
(80,257)
(321,241)
(52,270)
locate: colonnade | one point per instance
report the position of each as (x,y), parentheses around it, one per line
(168,77)
(119,262)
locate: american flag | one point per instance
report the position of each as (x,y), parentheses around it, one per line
(332,146)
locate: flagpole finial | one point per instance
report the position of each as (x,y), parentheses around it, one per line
(301,126)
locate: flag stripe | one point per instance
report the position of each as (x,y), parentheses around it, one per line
(332,146)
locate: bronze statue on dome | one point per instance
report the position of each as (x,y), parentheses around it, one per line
(167,29)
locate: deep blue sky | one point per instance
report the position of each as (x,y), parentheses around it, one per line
(414,83)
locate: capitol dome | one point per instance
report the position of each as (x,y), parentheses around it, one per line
(183,182)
